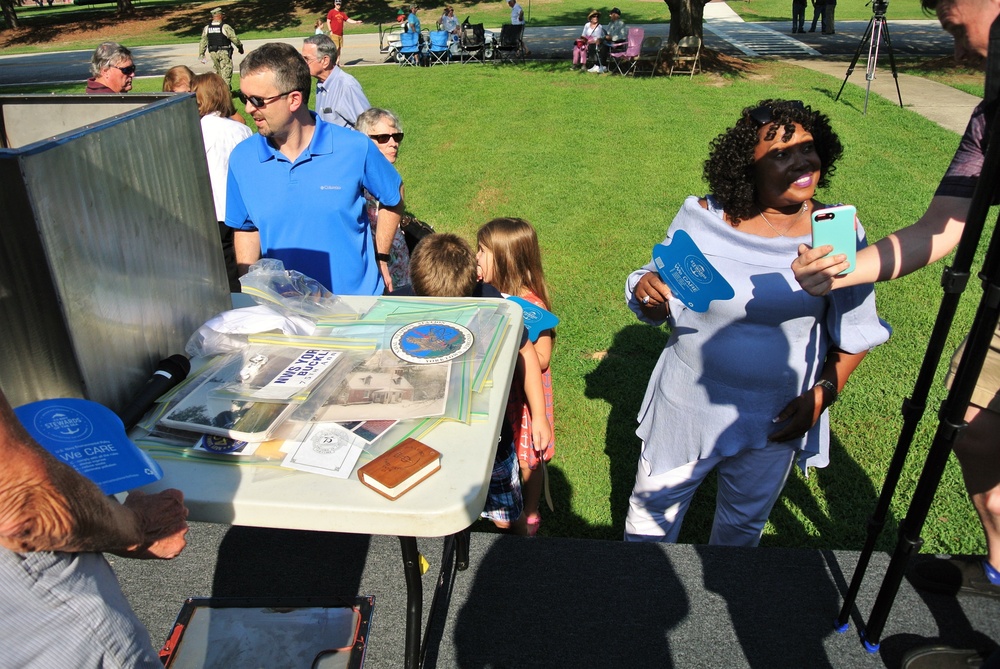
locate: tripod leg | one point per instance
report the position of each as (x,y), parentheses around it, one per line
(952,423)
(854,61)
(963,386)
(872,64)
(892,60)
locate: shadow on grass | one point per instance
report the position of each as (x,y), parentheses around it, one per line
(798,520)
(620,380)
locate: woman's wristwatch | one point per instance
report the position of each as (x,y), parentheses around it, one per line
(824,383)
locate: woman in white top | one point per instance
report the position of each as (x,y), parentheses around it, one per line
(591,40)
(221,135)
(448,22)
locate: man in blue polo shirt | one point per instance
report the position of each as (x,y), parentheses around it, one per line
(295,191)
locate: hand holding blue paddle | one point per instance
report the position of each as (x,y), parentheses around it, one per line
(691,277)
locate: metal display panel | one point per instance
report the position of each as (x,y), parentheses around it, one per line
(109,250)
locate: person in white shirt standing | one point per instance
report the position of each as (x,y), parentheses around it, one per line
(517,19)
(516,13)
(221,135)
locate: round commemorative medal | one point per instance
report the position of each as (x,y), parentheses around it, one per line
(426,342)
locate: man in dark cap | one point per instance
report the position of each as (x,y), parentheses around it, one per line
(218,39)
(617,32)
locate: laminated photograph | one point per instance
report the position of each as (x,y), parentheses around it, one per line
(279,373)
(203,410)
(387,388)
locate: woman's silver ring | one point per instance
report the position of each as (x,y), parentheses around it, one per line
(645,300)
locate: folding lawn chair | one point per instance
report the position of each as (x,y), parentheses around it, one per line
(688,56)
(473,42)
(510,49)
(624,58)
(439,50)
(649,54)
(409,49)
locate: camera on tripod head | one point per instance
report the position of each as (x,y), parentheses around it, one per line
(879,7)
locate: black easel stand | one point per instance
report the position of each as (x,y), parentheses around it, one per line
(877,26)
(952,411)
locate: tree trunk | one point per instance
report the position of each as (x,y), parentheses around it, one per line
(125,8)
(686,17)
(9,15)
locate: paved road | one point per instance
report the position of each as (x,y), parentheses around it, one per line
(724,33)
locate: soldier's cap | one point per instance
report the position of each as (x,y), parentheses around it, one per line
(217,10)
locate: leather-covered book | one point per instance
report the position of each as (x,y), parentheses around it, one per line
(400,468)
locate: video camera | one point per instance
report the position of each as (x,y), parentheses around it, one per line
(879,7)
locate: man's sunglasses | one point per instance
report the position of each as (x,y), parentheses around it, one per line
(382,139)
(128,70)
(258,101)
(763,115)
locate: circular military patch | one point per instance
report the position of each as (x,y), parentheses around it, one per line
(426,342)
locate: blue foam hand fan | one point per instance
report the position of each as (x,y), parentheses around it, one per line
(90,438)
(690,276)
(536,319)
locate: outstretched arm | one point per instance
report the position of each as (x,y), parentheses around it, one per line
(928,240)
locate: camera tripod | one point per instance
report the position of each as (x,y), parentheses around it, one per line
(951,415)
(877,27)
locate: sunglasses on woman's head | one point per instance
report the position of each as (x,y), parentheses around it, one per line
(382,139)
(763,115)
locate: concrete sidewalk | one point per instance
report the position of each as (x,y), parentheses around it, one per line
(948,107)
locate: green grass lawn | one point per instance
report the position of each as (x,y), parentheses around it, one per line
(600,166)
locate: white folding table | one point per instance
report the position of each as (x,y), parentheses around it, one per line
(445,505)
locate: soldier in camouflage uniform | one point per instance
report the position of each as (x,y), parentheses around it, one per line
(218,39)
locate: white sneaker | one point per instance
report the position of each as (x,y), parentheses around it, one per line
(603,70)
(595,69)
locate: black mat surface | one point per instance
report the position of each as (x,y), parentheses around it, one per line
(573,603)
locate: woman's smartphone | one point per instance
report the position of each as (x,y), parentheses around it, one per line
(837,226)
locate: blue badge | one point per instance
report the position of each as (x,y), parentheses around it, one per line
(427,342)
(90,438)
(536,319)
(685,269)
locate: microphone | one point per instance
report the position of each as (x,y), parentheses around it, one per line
(169,372)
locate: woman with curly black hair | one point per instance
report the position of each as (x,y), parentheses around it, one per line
(743,387)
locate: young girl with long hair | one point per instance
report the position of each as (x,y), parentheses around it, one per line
(509,258)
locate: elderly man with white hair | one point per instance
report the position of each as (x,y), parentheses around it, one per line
(111,70)
(339,98)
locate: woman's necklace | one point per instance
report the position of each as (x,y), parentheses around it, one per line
(805,208)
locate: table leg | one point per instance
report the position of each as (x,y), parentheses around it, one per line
(414,600)
(462,549)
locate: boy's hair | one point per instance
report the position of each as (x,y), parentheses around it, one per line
(517,258)
(443,265)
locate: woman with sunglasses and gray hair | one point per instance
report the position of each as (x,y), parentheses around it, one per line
(743,387)
(384,128)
